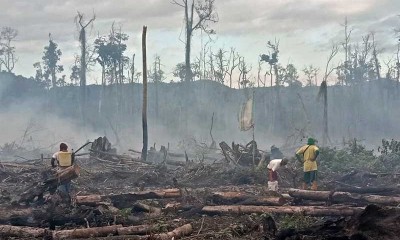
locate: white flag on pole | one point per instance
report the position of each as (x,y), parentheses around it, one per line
(246,116)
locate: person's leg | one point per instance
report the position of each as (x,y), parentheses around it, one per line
(313,179)
(306,181)
(272,180)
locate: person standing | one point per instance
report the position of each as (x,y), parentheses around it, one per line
(307,155)
(63,159)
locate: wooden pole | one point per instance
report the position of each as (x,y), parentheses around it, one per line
(254,145)
(144,108)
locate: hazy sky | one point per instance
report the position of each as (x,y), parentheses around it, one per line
(305,28)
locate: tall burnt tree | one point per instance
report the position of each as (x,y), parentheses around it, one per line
(82,24)
(323,93)
(205,14)
(144,108)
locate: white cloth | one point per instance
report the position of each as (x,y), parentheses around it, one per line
(246,116)
(274,164)
(273,186)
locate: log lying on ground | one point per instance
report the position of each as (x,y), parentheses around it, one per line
(86,232)
(310,195)
(343,197)
(306,210)
(137,230)
(384,200)
(38,189)
(89,200)
(7,214)
(128,199)
(370,190)
(22,232)
(177,233)
(141,207)
(245,199)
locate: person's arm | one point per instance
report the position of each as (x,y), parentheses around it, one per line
(72,158)
(53,160)
(316,153)
(299,153)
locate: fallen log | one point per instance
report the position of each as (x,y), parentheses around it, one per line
(245,199)
(310,195)
(127,199)
(177,233)
(343,197)
(383,200)
(7,214)
(141,207)
(306,210)
(22,232)
(368,190)
(137,230)
(38,189)
(89,200)
(86,232)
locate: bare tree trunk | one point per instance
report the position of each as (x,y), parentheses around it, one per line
(144,108)
(83,72)
(189,31)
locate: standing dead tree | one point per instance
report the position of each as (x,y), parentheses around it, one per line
(346,47)
(205,14)
(244,70)
(311,74)
(144,108)
(233,63)
(323,93)
(7,50)
(222,65)
(82,25)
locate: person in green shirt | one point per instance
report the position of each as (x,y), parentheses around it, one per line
(307,155)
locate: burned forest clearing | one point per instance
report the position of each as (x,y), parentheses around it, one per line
(181,196)
(200,119)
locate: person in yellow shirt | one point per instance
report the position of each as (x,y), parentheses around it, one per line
(62,160)
(309,153)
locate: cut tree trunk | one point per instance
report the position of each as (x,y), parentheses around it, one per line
(384,200)
(309,210)
(344,197)
(137,230)
(245,199)
(89,200)
(128,199)
(370,190)
(7,213)
(310,195)
(38,189)
(86,232)
(22,232)
(177,233)
(144,208)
